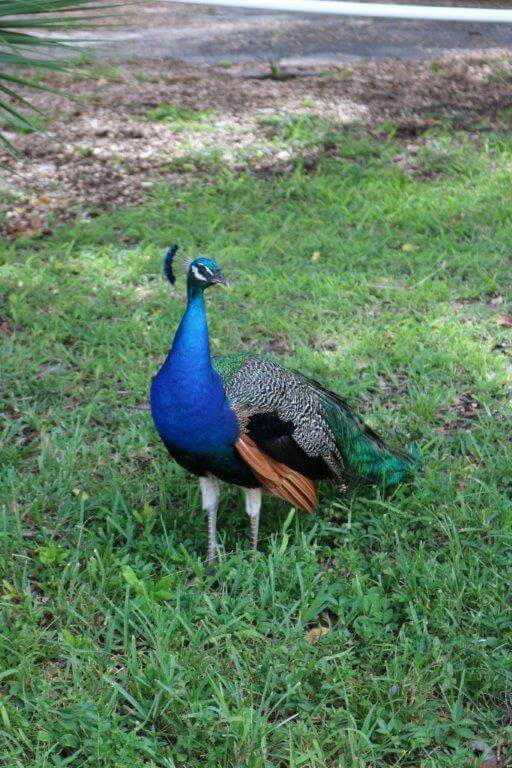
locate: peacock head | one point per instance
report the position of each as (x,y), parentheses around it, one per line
(202,272)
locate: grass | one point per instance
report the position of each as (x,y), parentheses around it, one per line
(37,123)
(180,118)
(374,633)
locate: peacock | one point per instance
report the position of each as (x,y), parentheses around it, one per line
(246,420)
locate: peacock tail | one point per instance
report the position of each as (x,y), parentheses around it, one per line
(368,457)
(297,421)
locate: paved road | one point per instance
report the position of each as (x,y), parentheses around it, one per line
(200,34)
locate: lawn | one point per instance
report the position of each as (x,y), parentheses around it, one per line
(374,633)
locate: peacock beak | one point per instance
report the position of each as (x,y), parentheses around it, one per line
(219,279)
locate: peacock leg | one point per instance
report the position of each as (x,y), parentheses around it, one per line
(253,507)
(210,492)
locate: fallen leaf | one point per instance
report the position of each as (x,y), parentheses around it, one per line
(313,634)
(505,321)
(492,762)
(315,256)
(6,328)
(407,247)
(490,757)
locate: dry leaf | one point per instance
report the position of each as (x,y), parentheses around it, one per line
(407,247)
(6,328)
(492,761)
(490,757)
(315,256)
(505,321)
(313,634)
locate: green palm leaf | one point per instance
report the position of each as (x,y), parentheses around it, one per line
(27,42)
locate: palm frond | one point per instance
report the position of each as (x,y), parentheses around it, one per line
(27,41)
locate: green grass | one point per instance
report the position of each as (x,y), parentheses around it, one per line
(180,118)
(37,123)
(117,648)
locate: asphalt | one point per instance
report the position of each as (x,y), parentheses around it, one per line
(207,35)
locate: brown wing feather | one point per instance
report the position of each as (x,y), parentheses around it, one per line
(276,477)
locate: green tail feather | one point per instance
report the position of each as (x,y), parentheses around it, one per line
(367,457)
(375,462)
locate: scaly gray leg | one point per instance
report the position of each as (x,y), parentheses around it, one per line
(253,507)
(210,492)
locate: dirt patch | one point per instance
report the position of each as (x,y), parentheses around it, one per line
(388,391)
(462,414)
(136,124)
(7,328)
(277,344)
(323,343)
(492,300)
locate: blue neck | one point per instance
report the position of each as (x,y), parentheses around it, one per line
(188,401)
(191,346)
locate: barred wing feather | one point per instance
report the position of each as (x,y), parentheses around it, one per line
(299,423)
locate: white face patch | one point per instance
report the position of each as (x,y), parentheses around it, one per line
(199,274)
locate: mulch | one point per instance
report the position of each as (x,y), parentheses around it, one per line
(101,151)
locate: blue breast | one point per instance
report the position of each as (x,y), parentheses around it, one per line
(191,412)
(188,402)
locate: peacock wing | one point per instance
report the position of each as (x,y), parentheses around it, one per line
(281,416)
(298,422)
(266,443)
